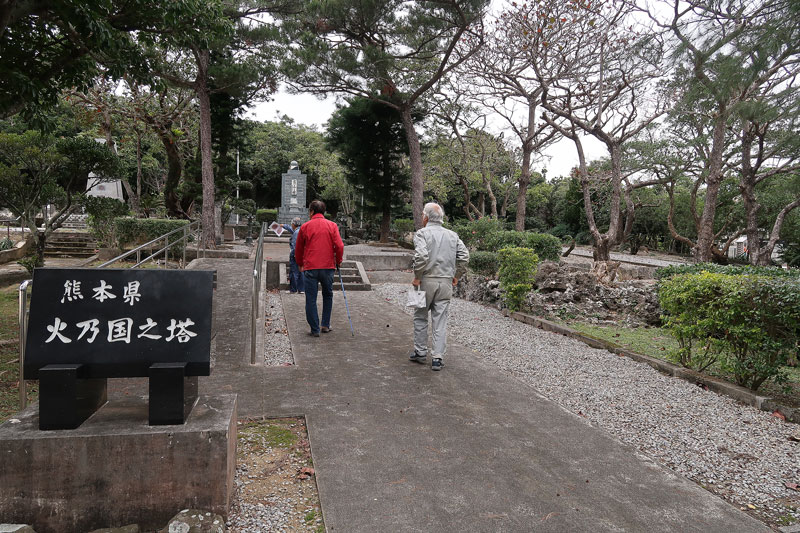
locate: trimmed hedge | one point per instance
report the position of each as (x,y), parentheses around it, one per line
(734,270)
(135,231)
(266,215)
(546,246)
(517,271)
(487,234)
(749,323)
(484,263)
(474,233)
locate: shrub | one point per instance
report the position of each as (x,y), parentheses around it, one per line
(6,244)
(547,247)
(30,262)
(484,263)
(135,231)
(750,323)
(561,231)
(102,212)
(475,232)
(266,215)
(772,272)
(403,225)
(517,271)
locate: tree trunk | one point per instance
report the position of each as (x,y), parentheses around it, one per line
(467,201)
(492,198)
(415,158)
(174,172)
(705,232)
(206,167)
(615,220)
(765,253)
(386,221)
(525,171)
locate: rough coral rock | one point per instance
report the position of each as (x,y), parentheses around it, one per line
(195,521)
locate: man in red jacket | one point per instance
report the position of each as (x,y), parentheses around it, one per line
(318,252)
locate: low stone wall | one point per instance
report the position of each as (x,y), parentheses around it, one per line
(16,253)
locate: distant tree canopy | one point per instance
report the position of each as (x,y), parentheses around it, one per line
(372,145)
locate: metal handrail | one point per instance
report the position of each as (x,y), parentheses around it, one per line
(23,329)
(188,229)
(254,302)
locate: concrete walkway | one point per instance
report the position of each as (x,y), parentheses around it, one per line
(399,448)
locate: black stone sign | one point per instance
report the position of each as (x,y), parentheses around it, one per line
(90,324)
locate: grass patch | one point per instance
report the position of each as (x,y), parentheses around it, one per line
(658,343)
(655,342)
(9,355)
(267,434)
(310,516)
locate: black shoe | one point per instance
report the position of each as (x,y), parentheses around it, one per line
(437,363)
(417,358)
(314,333)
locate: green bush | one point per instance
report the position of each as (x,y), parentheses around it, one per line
(749,323)
(102,212)
(516,274)
(546,246)
(403,225)
(6,244)
(131,232)
(475,232)
(266,215)
(773,272)
(484,263)
(30,262)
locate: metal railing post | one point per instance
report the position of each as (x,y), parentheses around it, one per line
(254,301)
(23,329)
(185,243)
(166,252)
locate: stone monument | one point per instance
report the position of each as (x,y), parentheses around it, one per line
(293,195)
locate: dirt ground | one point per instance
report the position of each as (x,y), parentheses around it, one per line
(275,485)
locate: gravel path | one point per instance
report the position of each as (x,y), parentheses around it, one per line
(736,451)
(277,348)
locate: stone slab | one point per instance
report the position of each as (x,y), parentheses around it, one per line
(383,260)
(115,469)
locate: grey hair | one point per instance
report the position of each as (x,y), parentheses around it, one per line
(297,221)
(434,212)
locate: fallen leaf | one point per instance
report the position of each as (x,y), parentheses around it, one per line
(793,486)
(751,506)
(778,414)
(307,470)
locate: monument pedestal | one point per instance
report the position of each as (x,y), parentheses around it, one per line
(115,469)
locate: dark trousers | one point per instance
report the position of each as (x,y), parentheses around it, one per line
(324,277)
(295,277)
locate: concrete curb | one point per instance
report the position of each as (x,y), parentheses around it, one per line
(717,385)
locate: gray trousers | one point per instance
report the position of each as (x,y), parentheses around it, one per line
(438,292)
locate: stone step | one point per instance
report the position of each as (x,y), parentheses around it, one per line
(354,277)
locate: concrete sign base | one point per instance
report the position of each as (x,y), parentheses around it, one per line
(116,469)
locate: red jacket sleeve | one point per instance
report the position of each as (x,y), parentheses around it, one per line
(338,245)
(299,246)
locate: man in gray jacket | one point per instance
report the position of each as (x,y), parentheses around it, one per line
(440,258)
